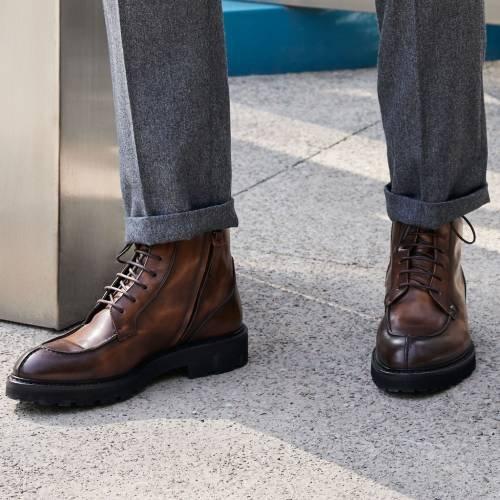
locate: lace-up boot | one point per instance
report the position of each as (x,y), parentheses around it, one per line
(423,342)
(174,306)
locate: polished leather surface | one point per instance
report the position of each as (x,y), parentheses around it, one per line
(188,294)
(424,327)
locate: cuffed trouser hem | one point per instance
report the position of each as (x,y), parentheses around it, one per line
(432,215)
(181,226)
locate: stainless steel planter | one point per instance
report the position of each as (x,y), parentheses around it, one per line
(60,205)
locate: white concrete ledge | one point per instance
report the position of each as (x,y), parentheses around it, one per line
(492,6)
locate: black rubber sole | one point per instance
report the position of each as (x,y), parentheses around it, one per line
(423,381)
(197,360)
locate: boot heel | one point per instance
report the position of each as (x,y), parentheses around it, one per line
(220,356)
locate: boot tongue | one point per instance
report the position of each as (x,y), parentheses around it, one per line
(416,312)
(418,240)
(123,283)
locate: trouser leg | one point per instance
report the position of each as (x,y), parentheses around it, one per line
(431,98)
(170,86)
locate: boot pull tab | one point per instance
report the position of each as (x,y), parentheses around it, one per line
(218,238)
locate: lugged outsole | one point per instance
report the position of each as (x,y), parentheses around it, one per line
(197,360)
(423,381)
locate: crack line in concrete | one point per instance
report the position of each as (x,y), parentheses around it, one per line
(308,297)
(342,263)
(307,158)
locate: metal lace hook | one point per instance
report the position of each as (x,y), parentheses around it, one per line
(125,249)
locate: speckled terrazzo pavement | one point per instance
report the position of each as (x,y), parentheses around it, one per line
(302,420)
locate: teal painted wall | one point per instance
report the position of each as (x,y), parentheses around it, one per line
(270,39)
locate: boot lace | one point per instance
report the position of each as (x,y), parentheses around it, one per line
(128,276)
(423,256)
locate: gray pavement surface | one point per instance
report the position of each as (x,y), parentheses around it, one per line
(302,420)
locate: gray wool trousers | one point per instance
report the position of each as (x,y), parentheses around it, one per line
(171,95)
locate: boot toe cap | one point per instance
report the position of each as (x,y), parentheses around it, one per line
(399,352)
(40,364)
(391,350)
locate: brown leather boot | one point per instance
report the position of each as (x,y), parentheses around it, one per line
(174,306)
(423,342)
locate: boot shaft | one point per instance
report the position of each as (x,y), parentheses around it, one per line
(193,281)
(427,265)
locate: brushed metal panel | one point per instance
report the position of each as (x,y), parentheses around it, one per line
(29,152)
(91,213)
